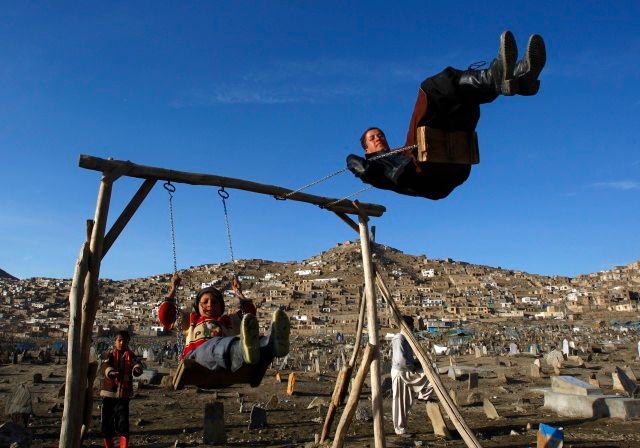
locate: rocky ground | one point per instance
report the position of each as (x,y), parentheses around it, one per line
(163,418)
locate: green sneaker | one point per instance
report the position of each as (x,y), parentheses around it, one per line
(279,334)
(250,339)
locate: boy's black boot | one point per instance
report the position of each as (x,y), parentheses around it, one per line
(484,86)
(529,67)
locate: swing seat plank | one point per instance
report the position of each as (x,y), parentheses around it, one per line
(191,373)
(437,146)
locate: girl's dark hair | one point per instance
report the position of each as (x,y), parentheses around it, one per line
(217,296)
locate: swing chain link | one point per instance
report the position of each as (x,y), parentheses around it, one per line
(179,336)
(224,195)
(170,190)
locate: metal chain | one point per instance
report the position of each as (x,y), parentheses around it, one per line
(335,173)
(224,195)
(179,336)
(170,190)
(347,197)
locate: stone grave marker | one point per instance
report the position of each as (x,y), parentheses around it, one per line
(272,402)
(573,386)
(473,380)
(490,409)
(623,383)
(214,432)
(454,396)
(439,426)
(258,418)
(535,371)
(474,398)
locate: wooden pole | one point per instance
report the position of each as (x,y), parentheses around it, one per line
(354,396)
(433,377)
(126,215)
(448,404)
(372,330)
(70,412)
(147,172)
(71,428)
(342,381)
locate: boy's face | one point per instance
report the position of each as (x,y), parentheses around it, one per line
(121,343)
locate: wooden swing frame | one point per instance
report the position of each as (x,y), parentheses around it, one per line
(84,297)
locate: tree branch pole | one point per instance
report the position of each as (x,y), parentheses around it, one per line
(90,301)
(342,381)
(354,396)
(70,412)
(433,377)
(372,330)
(148,172)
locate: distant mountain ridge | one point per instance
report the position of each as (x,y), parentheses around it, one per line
(5,274)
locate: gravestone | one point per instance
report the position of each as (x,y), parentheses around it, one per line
(513,349)
(437,422)
(489,410)
(452,373)
(291,384)
(473,380)
(474,398)
(573,386)
(214,432)
(622,382)
(535,371)
(478,352)
(272,402)
(454,396)
(258,418)
(565,347)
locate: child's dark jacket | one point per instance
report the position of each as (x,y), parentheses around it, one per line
(122,362)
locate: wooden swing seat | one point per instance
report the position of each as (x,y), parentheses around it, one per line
(191,373)
(437,146)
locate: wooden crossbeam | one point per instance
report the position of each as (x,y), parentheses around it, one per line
(127,168)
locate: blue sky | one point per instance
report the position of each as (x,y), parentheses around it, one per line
(278,93)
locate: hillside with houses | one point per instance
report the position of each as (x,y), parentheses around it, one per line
(321,294)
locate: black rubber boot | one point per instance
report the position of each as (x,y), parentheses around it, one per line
(483,86)
(528,68)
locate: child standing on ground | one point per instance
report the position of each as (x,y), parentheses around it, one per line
(119,366)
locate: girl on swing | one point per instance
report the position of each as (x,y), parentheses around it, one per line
(221,341)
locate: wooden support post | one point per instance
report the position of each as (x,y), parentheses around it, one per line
(354,396)
(71,413)
(342,381)
(120,223)
(72,425)
(447,402)
(372,329)
(433,377)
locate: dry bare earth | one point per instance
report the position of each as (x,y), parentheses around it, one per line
(160,418)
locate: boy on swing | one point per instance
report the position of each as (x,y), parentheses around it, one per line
(225,341)
(449,102)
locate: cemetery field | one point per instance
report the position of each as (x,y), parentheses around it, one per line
(161,417)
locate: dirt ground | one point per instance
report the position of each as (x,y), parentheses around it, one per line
(163,418)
